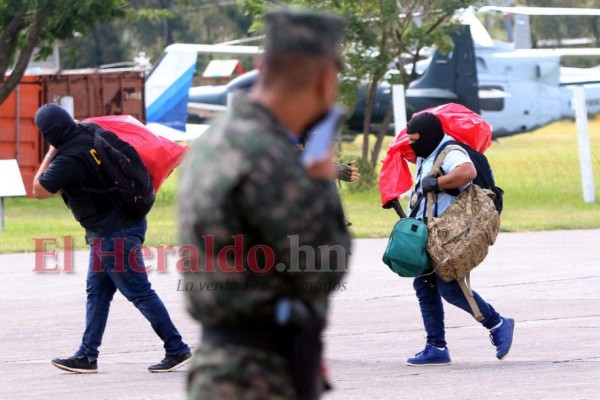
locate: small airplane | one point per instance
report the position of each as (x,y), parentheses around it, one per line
(444,80)
(167,85)
(515,89)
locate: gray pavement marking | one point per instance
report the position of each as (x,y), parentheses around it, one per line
(548,281)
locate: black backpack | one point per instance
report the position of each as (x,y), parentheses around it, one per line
(485,176)
(121,171)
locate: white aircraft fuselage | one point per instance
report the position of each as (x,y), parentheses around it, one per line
(521,90)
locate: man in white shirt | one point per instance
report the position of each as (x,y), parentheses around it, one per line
(426,137)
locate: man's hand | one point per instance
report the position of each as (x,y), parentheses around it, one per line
(430,184)
(348,172)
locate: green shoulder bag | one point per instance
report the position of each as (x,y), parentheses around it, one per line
(406,251)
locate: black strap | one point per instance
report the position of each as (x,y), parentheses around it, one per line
(415,209)
(422,195)
(398,208)
(395,204)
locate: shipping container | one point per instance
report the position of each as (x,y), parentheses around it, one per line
(19,137)
(94,94)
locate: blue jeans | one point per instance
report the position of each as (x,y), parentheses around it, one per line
(110,269)
(432,310)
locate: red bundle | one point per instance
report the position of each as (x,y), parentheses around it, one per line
(462,124)
(160,155)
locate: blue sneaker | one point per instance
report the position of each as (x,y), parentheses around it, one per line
(430,356)
(502,337)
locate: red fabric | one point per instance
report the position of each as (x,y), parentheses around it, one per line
(462,124)
(160,155)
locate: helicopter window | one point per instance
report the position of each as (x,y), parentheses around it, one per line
(491,98)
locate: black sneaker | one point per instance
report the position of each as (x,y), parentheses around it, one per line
(82,365)
(171,363)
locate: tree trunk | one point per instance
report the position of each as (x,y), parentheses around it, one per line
(8,41)
(380,135)
(367,118)
(33,38)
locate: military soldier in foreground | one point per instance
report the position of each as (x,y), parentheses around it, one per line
(269,232)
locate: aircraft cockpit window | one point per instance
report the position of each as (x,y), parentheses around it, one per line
(491,98)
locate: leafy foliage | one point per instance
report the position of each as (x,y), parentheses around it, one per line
(97,32)
(380,35)
(151,25)
(30,23)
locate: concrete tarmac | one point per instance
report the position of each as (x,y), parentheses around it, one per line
(549,282)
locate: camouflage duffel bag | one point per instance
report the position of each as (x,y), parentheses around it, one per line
(459,239)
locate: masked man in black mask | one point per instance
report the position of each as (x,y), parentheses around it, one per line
(426,137)
(112,234)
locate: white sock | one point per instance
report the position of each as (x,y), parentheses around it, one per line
(440,348)
(498,325)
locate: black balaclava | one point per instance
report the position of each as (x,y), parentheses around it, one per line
(55,123)
(429,127)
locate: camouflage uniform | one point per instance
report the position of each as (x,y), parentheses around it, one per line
(243,179)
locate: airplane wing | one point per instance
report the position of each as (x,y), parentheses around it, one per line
(579,76)
(192,131)
(205,109)
(213,49)
(540,10)
(435,93)
(563,52)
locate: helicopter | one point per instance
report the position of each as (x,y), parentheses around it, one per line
(515,89)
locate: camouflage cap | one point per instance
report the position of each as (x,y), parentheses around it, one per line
(303,32)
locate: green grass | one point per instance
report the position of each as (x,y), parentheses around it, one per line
(27,219)
(539,172)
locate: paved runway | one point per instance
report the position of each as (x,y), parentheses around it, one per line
(549,282)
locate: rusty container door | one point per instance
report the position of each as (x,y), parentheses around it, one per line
(19,137)
(94,94)
(99,93)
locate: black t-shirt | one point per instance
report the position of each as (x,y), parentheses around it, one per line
(70,174)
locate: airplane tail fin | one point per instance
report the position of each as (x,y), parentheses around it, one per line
(522,32)
(454,74)
(519,33)
(167,85)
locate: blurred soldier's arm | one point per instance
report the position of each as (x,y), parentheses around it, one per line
(295,214)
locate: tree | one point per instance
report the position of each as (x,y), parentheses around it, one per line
(381,34)
(27,24)
(187,21)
